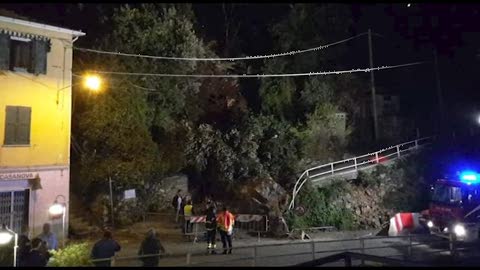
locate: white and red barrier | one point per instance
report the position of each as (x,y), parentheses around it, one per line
(198,219)
(403,223)
(239,218)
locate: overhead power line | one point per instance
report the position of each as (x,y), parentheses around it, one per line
(255,75)
(218,59)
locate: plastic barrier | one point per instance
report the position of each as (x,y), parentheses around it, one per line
(403,223)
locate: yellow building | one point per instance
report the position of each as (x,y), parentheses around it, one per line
(35,120)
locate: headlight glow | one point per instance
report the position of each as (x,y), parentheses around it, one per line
(430,224)
(459,230)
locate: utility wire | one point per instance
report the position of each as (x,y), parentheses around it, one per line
(218,59)
(256,75)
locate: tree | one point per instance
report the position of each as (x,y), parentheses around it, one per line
(133,130)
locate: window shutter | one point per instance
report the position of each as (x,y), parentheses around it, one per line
(4,52)
(32,64)
(10,124)
(40,48)
(23,128)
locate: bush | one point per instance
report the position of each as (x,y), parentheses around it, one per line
(320,211)
(71,255)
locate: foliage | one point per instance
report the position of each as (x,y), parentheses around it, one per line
(126,155)
(71,255)
(325,134)
(141,128)
(374,178)
(319,210)
(411,193)
(277,93)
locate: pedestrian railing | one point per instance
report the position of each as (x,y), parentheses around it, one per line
(347,257)
(352,165)
(415,248)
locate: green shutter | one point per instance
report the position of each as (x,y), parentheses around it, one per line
(33,61)
(23,127)
(4,52)
(40,48)
(10,124)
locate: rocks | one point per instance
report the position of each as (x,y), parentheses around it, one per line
(169,187)
(268,196)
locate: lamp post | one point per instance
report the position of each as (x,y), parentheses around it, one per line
(6,236)
(58,209)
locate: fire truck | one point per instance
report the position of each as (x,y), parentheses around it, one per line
(454,210)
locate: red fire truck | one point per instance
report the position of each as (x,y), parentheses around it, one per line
(454,207)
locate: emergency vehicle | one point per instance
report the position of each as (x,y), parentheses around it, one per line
(454,207)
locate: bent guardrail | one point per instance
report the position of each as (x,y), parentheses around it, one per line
(356,164)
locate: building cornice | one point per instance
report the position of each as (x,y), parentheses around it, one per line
(42,26)
(34,168)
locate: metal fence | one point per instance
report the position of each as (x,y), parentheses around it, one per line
(355,164)
(419,248)
(247,223)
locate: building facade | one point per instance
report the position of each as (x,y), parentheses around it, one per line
(35,120)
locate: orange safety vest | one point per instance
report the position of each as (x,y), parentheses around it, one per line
(225,221)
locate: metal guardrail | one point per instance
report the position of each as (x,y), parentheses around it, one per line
(356,164)
(409,246)
(348,256)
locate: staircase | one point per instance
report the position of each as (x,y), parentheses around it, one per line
(349,168)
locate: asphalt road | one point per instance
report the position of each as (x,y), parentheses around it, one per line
(286,253)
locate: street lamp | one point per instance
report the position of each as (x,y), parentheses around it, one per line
(58,209)
(92,82)
(6,236)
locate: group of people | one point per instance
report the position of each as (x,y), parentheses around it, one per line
(36,252)
(149,250)
(223,221)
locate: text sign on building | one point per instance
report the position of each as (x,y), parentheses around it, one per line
(129,194)
(16,176)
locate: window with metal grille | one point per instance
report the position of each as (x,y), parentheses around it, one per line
(14,209)
(17,125)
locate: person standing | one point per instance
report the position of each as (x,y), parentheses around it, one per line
(177,204)
(226,221)
(24,246)
(105,249)
(49,237)
(151,245)
(211,227)
(187,213)
(36,256)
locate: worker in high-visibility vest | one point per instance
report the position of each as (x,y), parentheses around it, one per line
(187,213)
(211,227)
(225,221)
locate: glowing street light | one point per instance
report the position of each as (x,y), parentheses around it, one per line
(93,82)
(58,209)
(6,236)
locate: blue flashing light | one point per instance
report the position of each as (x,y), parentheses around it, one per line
(468,176)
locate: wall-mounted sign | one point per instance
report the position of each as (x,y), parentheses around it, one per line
(129,194)
(17,176)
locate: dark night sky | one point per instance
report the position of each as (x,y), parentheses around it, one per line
(410,34)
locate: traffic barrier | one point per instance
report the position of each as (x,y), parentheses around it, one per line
(244,222)
(402,223)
